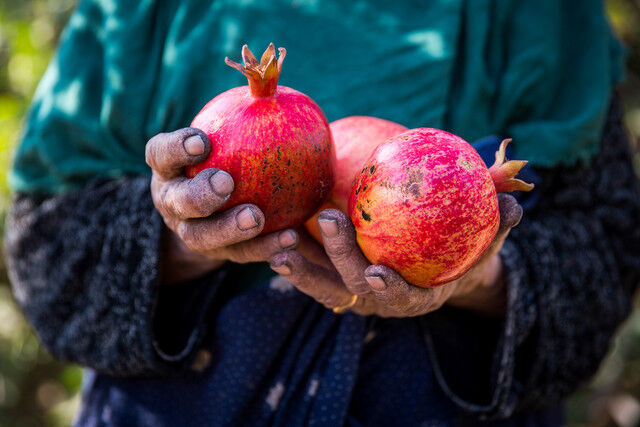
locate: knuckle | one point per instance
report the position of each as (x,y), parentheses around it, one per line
(149,154)
(169,201)
(197,204)
(186,201)
(163,160)
(159,198)
(329,300)
(155,147)
(189,237)
(339,249)
(357,284)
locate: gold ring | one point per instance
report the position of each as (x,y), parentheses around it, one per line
(343,308)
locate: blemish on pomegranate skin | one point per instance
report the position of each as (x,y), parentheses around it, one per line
(365,216)
(372,170)
(415,178)
(466,164)
(388,185)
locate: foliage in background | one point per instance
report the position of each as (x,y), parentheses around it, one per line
(36,390)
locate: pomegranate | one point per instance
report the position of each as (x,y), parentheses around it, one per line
(425,204)
(273,140)
(354,139)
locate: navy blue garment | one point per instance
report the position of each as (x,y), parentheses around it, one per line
(279,358)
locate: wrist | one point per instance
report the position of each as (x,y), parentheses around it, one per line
(178,263)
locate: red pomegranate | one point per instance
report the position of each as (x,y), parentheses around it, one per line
(273,140)
(354,139)
(425,204)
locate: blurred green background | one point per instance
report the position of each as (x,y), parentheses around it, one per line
(36,390)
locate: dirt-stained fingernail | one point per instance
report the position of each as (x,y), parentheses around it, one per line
(287,239)
(222,183)
(282,269)
(329,227)
(246,219)
(376,282)
(194,145)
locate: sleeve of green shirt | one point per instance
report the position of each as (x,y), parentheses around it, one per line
(90,111)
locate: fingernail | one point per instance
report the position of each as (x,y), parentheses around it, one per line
(222,183)
(376,282)
(287,239)
(283,269)
(194,145)
(246,219)
(329,227)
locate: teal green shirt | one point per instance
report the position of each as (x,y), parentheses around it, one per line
(539,71)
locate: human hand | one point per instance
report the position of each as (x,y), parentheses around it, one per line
(344,272)
(199,237)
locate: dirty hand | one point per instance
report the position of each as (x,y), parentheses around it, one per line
(199,237)
(335,278)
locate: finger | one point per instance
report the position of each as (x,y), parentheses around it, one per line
(312,250)
(319,283)
(168,153)
(391,290)
(262,248)
(340,244)
(510,213)
(225,228)
(199,197)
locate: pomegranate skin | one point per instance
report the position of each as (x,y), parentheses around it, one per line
(273,140)
(355,138)
(425,205)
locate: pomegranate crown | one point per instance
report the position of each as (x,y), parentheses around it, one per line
(263,75)
(503,172)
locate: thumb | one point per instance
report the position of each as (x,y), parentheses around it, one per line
(510,213)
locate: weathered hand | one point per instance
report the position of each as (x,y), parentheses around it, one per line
(199,238)
(333,281)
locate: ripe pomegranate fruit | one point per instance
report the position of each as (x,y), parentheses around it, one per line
(354,139)
(425,204)
(273,140)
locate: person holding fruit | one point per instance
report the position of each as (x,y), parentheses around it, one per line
(130,259)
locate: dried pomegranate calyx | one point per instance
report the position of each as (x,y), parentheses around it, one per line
(263,76)
(503,172)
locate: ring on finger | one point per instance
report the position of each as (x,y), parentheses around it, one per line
(341,309)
